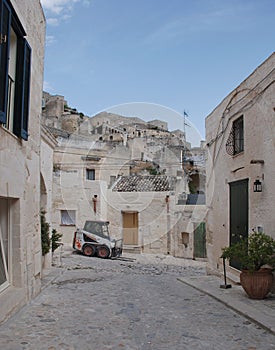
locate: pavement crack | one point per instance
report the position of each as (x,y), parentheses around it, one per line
(78,281)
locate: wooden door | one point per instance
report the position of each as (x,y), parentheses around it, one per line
(130,228)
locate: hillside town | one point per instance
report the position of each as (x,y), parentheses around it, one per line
(160,195)
(145,180)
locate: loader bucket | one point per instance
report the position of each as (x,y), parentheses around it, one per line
(117,250)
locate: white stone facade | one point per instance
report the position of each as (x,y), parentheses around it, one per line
(94,153)
(254,103)
(20,239)
(48,143)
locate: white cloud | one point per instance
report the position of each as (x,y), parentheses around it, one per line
(58,10)
(218,19)
(47,86)
(53,21)
(50,39)
(58,6)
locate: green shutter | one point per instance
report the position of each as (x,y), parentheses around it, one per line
(22,89)
(5,21)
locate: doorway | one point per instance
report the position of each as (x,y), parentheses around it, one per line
(200,241)
(238,213)
(130,228)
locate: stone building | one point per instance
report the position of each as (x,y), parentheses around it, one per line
(146,211)
(118,168)
(240,140)
(83,170)
(47,146)
(21,71)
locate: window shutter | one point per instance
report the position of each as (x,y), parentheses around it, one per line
(5,21)
(22,88)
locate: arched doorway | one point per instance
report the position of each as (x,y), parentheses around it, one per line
(43,194)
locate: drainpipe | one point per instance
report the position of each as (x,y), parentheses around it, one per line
(168,226)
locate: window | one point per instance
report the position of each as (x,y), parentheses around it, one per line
(68,217)
(90,174)
(15,64)
(185,238)
(235,142)
(238,135)
(5,221)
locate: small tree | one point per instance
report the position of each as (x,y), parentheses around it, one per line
(56,237)
(45,234)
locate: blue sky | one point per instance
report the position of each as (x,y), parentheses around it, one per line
(154,58)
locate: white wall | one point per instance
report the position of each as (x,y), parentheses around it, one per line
(20,175)
(254,99)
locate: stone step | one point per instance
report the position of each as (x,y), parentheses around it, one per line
(132,249)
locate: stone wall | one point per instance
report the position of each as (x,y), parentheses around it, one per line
(254,100)
(48,143)
(20,178)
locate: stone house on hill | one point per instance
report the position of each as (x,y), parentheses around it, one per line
(21,71)
(83,170)
(240,140)
(147,213)
(117,168)
(47,146)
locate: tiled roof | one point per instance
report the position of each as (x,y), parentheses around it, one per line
(148,183)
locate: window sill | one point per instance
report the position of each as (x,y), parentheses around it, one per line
(238,154)
(2,127)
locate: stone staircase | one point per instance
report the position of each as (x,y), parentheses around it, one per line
(133,249)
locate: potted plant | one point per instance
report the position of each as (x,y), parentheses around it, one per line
(256,257)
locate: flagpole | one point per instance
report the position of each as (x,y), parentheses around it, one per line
(184,147)
(184,127)
(184,124)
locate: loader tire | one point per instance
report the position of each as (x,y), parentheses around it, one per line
(103,252)
(89,250)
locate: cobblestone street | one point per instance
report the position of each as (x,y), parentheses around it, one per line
(140,304)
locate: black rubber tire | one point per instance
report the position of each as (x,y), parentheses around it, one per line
(89,250)
(103,252)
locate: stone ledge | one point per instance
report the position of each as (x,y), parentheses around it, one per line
(11,300)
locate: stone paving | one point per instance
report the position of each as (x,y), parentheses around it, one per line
(128,305)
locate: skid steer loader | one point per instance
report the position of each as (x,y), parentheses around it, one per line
(94,240)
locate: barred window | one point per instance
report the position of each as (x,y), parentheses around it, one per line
(238,135)
(235,142)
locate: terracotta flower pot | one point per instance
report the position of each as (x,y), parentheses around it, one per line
(257,284)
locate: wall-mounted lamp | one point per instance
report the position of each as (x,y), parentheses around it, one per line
(257,186)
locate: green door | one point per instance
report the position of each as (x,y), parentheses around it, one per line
(200,241)
(238,213)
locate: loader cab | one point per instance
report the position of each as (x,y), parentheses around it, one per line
(98,228)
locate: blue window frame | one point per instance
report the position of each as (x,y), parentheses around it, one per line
(15,70)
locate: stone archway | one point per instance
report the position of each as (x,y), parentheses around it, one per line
(43,194)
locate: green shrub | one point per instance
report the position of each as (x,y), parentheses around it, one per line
(45,234)
(56,237)
(252,253)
